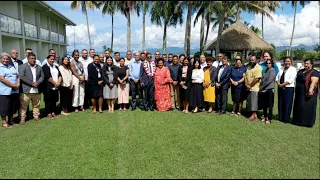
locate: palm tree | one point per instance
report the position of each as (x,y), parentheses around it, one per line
(269,6)
(205,10)
(294,5)
(189,5)
(163,13)
(126,8)
(84,5)
(144,5)
(253,28)
(109,7)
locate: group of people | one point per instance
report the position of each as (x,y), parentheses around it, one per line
(164,83)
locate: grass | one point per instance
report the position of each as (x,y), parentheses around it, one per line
(158,145)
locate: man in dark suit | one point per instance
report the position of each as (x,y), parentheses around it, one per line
(14,61)
(222,86)
(31,76)
(147,72)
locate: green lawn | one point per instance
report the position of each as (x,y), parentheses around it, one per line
(158,145)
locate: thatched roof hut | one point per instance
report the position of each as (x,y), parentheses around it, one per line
(239,37)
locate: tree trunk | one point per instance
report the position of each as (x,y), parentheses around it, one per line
(207,32)
(202,34)
(188,32)
(88,29)
(221,24)
(294,24)
(262,27)
(143,25)
(128,32)
(164,48)
(112,32)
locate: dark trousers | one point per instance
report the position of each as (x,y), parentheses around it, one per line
(135,90)
(148,98)
(87,100)
(51,106)
(268,101)
(285,101)
(221,99)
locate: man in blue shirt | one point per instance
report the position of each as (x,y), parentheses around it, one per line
(134,78)
(267,56)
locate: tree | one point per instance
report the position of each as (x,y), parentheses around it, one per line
(144,5)
(253,28)
(109,7)
(294,5)
(126,8)
(269,6)
(163,13)
(317,48)
(84,5)
(299,53)
(205,10)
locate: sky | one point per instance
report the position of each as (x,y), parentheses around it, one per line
(277,32)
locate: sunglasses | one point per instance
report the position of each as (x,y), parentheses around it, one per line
(237,59)
(149,57)
(268,63)
(219,56)
(157,54)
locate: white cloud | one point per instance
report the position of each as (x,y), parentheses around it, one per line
(279,31)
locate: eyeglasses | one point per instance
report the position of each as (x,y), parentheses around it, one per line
(149,57)
(157,54)
(237,59)
(219,56)
(268,63)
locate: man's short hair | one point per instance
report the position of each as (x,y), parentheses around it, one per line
(51,50)
(28,49)
(84,50)
(170,54)
(175,56)
(181,55)
(116,53)
(31,54)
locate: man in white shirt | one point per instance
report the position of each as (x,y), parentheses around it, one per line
(116,60)
(128,58)
(53,53)
(92,52)
(203,62)
(218,62)
(27,52)
(31,76)
(106,54)
(14,59)
(85,60)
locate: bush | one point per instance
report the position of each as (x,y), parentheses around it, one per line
(197,54)
(298,53)
(310,55)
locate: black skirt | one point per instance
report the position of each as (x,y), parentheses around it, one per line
(236,96)
(96,91)
(51,95)
(14,104)
(4,101)
(196,95)
(185,94)
(65,97)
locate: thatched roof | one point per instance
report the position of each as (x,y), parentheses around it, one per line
(239,37)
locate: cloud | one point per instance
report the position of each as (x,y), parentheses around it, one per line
(279,31)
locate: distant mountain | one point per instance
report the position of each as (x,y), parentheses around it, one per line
(307,48)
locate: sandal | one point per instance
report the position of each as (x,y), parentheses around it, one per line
(210,110)
(76,110)
(6,125)
(268,122)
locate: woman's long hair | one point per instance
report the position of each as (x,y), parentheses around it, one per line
(109,65)
(62,59)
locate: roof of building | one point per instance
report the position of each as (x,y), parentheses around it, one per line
(45,8)
(239,37)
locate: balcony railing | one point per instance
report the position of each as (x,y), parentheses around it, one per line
(44,34)
(10,25)
(61,38)
(54,37)
(30,30)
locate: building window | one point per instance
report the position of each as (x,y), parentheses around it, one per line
(44,34)
(54,37)
(30,30)
(10,25)
(61,38)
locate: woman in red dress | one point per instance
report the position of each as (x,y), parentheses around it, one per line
(162,81)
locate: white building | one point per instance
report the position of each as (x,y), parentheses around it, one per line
(32,24)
